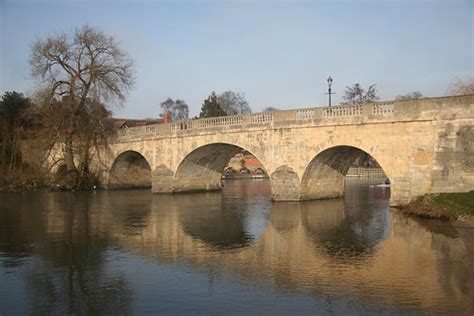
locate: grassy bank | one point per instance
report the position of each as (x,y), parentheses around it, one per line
(449,206)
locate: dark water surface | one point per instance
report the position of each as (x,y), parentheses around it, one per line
(130,252)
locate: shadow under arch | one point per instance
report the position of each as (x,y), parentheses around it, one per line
(324,176)
(60,174)
(202,168)
(130,170)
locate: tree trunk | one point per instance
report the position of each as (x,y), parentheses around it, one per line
(72,174)
(84,175)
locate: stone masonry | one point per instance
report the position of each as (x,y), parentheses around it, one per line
(423,146)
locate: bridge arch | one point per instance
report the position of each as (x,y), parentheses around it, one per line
(202,168)
(324,176)
(130,169)
(59,172)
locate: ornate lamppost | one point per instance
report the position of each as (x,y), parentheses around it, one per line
(329,80)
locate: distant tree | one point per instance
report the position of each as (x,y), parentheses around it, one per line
(211,108)
(270,109)
(13,121)
(233,103)
(410,96)
(357,95)
(167,106)
(181,110)
(78,74)
(460,87)
(178,109)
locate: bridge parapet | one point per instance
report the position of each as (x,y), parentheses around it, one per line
(407,110)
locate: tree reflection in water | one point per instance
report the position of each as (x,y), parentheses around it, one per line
(66,272)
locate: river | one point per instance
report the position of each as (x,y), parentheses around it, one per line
(235,252)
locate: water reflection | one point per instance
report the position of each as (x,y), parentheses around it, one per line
(347,255)
(66,245)
(218,224)
(350,227)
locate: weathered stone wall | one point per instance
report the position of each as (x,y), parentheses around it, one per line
(453,161)
(423,146)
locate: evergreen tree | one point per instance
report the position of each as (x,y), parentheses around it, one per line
(13,121)
(211,107)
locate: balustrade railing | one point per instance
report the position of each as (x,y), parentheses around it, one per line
(343,110)
(259,118)
(305,114)
(327,113)
(380,108)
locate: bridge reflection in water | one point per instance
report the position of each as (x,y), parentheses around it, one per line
(349,254)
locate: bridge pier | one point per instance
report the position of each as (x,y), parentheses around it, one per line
(285,184)
(162,179)
(400,193)
(198,184)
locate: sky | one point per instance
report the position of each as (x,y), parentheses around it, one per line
(278,53)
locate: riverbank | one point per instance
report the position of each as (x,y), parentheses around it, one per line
(446,206)
(22,179)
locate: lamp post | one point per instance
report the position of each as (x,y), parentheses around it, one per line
(329,80)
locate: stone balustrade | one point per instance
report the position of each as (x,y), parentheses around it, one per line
(380,111)
(343,110)
(386,107)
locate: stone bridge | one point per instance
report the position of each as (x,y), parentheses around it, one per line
(423,146)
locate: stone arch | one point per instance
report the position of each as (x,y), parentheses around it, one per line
(130,169)
(202,168)
(61,170)
(324,176)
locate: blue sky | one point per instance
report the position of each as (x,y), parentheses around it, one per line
(279,53)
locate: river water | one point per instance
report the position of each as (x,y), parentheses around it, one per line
(131,252)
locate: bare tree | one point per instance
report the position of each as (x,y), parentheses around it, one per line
(167,106)
(78,74)
(181,110)
(233,103)
(357,95)
(178,110)
(410,96)
(460,87)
